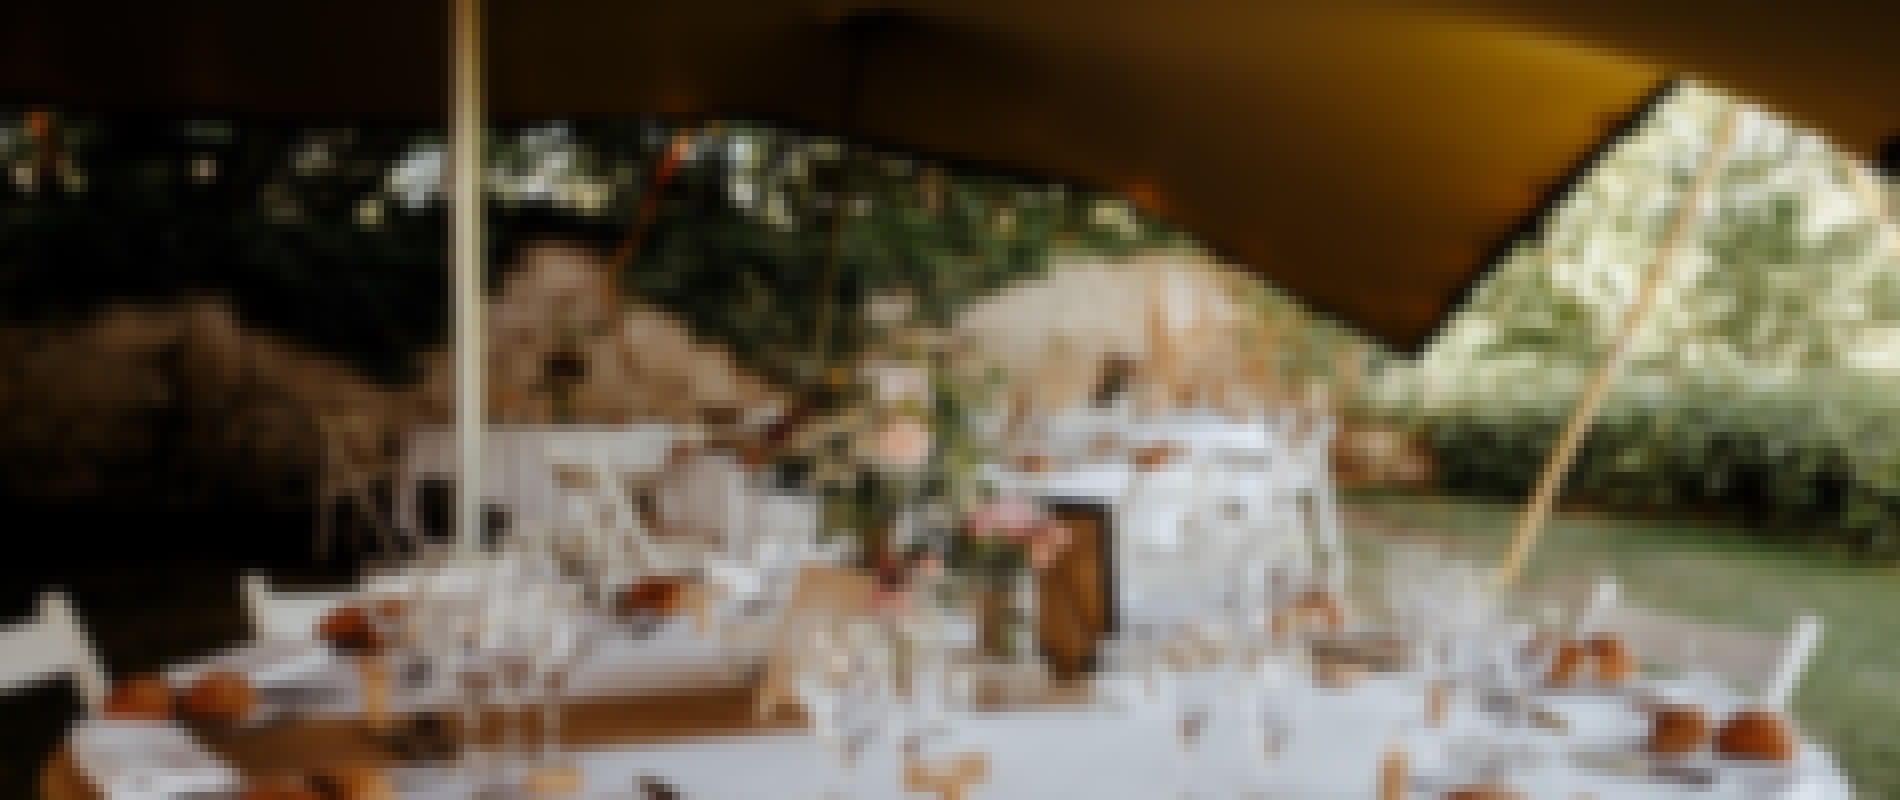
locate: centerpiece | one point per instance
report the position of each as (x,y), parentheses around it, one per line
(898,462)
(994,555)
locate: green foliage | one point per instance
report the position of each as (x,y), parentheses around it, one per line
(335,236)
(1815,454)
(1744,392)
(742,245)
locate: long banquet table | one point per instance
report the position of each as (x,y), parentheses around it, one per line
(693,740)
(1106,738)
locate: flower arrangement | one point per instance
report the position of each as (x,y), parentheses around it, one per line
(898,461)
(897,455)
(1007,535)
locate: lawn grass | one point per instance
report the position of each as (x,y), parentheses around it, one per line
(1720,573)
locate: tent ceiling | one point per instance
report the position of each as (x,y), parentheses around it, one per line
(1369,157)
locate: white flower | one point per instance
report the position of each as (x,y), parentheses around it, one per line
(370,212)
(890,308)
(899,384)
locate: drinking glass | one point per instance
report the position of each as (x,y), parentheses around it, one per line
(391,629)
(473,678)
(524,634)
(1194,712)
(823,686)
(1273,727)
(923,636)
(1524,666)
(570,640)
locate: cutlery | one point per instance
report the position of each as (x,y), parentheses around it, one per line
(652,788)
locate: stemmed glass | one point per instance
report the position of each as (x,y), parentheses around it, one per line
(1524,666)
(525,633)
(924,635)
(482,633)
(392,619)
(569,640)
(1194,712)
(472,679)
(824,686)
(1273,726)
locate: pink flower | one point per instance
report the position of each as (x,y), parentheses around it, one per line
(1042,554)
(904,443)
(1056,534)
(930,567)
(1012,518)
(1049,542)
(891,601)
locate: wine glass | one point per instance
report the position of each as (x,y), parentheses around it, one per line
(923,637)
(1528,662)
(478,675)
(570,640)
(524,633)
(1194,712)
(387,621)
(472,678)
(1273,728)
(823,684)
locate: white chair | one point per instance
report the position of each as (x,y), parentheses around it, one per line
(286,615)
(1178,542)
(53,645)
(599,510)
(1310,456)
(1768,667)
(707,499)
(353,463)
(1602,601)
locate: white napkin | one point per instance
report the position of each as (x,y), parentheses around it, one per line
(135,760)
(738,578)
(265,661)
(623,668)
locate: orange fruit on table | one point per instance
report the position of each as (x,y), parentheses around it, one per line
(144,697)
(1568,666)
(220,696)
(661,596)
(1033,465)
(1318,606)
(1615,662)
(1758,734)
(350,629)
(1148,458)
(1679,730)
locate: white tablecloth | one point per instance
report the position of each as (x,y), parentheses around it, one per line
(516,475)
(1102,755)
(1103,752)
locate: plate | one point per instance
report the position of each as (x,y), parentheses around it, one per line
(147,759)
(266,661)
